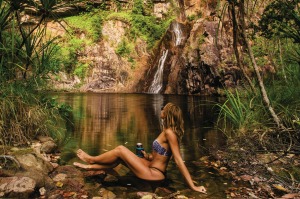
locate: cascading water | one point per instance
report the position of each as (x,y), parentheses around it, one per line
(158,78)
(178,33)
(178,38)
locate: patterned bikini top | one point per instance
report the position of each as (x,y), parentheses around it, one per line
(160,150)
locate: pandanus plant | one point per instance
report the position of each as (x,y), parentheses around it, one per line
(24,47)
(25,54)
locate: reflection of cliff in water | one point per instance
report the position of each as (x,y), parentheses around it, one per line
(103,122)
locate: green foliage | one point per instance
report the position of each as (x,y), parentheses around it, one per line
(25,62)
(123,49)
(194,16)
(281,18)
(235,113)
(285,94)
(201,39)
(138,8)
(118,4)
(191,17)
(97,24)
(81,70)
(67,54)
(25,52)
(142,7)
(240,114)
(133,63)
(291,52)
(25,114)
(89,23)
(148,28)
(120,16)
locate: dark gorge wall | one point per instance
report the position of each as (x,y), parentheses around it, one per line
(198,64)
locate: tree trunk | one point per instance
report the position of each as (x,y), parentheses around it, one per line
(236,51)
(263,91)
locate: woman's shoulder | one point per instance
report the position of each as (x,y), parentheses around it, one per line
(169,133)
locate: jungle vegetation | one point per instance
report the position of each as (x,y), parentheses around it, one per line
(264,116)
(267,104)
(270,98)
(26,61)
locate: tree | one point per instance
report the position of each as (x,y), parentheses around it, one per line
(281,18)
(239,33)
(236,33)
(262,88)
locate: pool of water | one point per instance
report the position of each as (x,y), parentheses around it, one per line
(103,121)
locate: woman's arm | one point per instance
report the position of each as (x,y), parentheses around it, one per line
(172,139)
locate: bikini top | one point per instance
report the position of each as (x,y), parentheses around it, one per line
(160,150)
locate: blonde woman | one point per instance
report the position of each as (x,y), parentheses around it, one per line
(153,165)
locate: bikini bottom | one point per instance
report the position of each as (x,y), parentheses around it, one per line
(164,173)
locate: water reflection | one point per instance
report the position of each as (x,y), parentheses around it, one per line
(104,121)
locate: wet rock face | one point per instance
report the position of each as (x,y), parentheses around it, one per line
(202,59)
(199,63)
(203,56)
(161,7)
(193,64)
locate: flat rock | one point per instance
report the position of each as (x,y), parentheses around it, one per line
(17,186)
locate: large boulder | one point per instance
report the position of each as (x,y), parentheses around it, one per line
(20,187)
(34,161)
(31,165)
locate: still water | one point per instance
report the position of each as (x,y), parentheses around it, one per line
(103,121)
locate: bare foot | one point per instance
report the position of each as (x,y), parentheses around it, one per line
(83,166)
(89,166)
(84,156)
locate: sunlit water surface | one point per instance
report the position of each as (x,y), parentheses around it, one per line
(103,121)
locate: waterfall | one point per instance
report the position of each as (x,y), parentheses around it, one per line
(158,78)
(178,33)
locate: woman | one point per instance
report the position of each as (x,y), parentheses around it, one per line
(152,166)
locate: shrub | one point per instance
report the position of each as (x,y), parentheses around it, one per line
(236,113)
(123,49)
(81,70)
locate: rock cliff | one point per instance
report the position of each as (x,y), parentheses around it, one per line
(195,53)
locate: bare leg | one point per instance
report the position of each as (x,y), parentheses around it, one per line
(107,158)
(114,157)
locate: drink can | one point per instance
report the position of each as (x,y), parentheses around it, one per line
(139,149)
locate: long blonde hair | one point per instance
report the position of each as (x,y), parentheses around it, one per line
(174,120)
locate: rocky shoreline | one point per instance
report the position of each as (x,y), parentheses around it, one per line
(35,172)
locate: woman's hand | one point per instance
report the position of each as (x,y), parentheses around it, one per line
(200,189)
(146,155)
